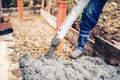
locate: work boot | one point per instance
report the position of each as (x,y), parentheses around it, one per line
(76,53)
(82,40)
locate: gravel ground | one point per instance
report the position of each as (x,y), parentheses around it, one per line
(32,35)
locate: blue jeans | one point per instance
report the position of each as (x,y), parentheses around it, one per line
(89,19)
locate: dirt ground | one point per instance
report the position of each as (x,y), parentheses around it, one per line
(33,35)
(108,26)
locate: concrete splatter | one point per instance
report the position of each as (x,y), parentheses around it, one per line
(84,68)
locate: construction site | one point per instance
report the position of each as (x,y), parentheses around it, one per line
(30,29)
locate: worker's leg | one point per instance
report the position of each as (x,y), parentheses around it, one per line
(89,19)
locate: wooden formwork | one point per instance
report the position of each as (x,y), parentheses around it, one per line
(5,43)
(94,48)
(109,51)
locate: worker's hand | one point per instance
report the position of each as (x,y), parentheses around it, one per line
(76,1)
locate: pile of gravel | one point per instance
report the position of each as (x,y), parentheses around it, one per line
(84,68)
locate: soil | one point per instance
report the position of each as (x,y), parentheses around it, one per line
(108,26)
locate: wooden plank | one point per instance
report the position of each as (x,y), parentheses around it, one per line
(3,48)
(4,68)
(72,36)
(49,18)
(6,37)
(104,47)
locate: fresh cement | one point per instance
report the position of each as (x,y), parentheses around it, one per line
(84,68)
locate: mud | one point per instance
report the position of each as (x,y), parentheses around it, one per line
(84,68)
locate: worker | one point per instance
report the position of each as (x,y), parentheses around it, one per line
(89,19)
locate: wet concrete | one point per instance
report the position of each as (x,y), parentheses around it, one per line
(84,68)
